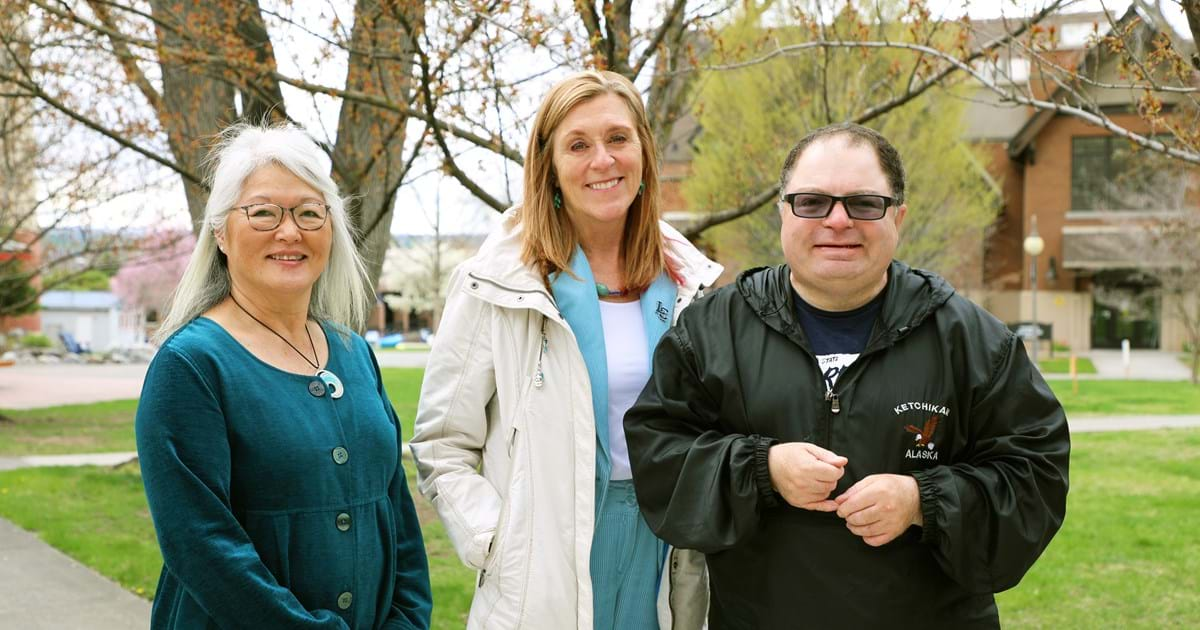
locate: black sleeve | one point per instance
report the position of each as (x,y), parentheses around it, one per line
(698,487)
(990,517)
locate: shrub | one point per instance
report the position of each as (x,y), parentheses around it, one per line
(35,340)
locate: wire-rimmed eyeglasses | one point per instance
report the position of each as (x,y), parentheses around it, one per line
(808,205)
(264,217)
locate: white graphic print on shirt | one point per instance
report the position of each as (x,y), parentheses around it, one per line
(832,366)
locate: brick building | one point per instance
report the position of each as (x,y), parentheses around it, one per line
(1095,287)
(1091,193)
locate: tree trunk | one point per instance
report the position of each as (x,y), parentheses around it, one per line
(1191,8)
(368,159)
(198,96)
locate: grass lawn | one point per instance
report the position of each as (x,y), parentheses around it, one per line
(1062,365)
(403,386)
(99,517)
(1127,555)
(96,515)
(95,428)
(108,426)
(1125,558)
(1128,398)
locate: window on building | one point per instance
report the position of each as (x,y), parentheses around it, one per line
(1109,173)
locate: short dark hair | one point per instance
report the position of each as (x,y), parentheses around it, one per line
(855,134)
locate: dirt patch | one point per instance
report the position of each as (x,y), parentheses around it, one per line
(4,419)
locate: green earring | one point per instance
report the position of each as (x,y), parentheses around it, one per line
(557,200)
(641,187)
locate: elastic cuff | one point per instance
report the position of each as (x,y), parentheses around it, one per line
(927,490)
(762,471)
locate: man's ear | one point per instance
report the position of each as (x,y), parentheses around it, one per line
(900,212)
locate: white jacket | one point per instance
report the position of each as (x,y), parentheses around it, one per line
(505,445)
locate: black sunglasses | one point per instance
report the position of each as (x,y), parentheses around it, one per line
(818,206)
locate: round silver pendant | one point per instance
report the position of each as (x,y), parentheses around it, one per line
(332,383)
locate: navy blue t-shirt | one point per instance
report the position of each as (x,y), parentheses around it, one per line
(837,338)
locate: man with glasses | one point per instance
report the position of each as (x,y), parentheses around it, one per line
(852,443)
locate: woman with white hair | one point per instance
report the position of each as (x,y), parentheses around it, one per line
(269,450)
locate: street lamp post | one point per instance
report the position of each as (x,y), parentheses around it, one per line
(1034,246)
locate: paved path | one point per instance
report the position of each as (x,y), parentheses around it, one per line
(1144,365)
(1097,424)
(405,358)
(42,385)
(90,459)
(43,589)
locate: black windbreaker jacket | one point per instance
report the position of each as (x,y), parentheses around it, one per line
(943,392)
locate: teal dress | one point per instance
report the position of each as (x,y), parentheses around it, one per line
(275,504)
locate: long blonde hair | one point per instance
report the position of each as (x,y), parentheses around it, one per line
(549,238)
(341,294)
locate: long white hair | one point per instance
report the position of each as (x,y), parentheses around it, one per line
(341,294)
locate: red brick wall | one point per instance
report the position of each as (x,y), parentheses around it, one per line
(671,182)
(1047,189)
(32,259)
(1002,250)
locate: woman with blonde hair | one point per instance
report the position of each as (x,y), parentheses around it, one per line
(545,343)
(269,450)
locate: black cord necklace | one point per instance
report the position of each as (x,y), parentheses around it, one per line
(330,380)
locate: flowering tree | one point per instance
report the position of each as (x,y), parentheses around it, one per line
(146,282)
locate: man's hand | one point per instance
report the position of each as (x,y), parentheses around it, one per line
(805,474)
(881,507)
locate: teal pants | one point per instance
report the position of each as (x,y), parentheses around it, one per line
(625,564)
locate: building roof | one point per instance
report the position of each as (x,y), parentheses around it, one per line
(1072,30)
(78,301)
(1092,63)
(988,119)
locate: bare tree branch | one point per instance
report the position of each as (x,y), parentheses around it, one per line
(754,202)
(448,158)
(37,92)
(705,221)
(674,15)
(121,47)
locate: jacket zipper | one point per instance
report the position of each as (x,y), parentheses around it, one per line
(483,572)
(835,405)
(512,290)
(539,377)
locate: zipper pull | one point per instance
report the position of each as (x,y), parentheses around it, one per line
(539,378)
(483,572)
(834,404)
